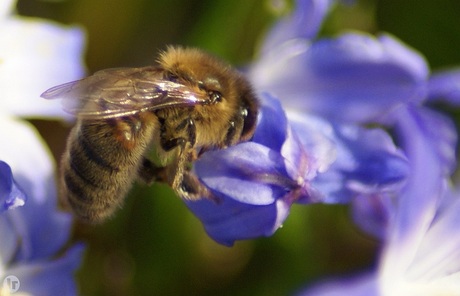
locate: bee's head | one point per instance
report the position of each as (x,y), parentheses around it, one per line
(228,91)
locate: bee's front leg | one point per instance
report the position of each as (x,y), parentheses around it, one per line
(169,142)
(185,182)
(182,137)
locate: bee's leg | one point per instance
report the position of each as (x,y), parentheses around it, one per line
(184,182)
(181,166)
(170,143)
(178,174)
(187,184)
(193,189)
(173,173)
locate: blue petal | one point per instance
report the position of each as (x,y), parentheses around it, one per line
(10,194)
(445,86)
(272,123)
(10,241)
(353,77)
(376,160)
(54,277)
(247,172)
(423,242)
(296,160)
(251,172)
(422,238)
(318,139)
(373,213)
(35,56)
(42,228)
(304,22)
(440,260)
(367,162)
(230,220)
(426,181)
(439,130)
(30,167)
(302,167)
(363,285)
(255,182)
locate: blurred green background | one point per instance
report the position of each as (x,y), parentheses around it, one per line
(154,245)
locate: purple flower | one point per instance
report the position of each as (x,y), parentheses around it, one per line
(35,232)
(34,55)
(422,241)
(316,150)
(256,182)
(287,162)
(445,86)
(11,196)
(351,80)
(355,80)
(305,21)
(34,257)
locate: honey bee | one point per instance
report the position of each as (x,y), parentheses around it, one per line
(189,103)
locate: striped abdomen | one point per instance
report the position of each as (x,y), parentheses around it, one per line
(101,163)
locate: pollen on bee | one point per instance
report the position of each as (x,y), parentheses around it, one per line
(128,136)
(124,134)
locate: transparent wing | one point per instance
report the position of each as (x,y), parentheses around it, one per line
(124,91)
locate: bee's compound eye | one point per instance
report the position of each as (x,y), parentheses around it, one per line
(215,96)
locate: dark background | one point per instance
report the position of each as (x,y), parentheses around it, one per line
(155,246)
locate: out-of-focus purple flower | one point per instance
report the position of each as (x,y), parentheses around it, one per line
(422,242)
(412,262)
(349,80)
(445,86)
(345,81)
(367,162)
(362,285)
(304,22)
(24,149)
(10,194)
(373,212)
(32,235)
(35,54)
(352,78)
(355,79)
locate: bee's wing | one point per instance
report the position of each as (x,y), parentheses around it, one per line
(124,91)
